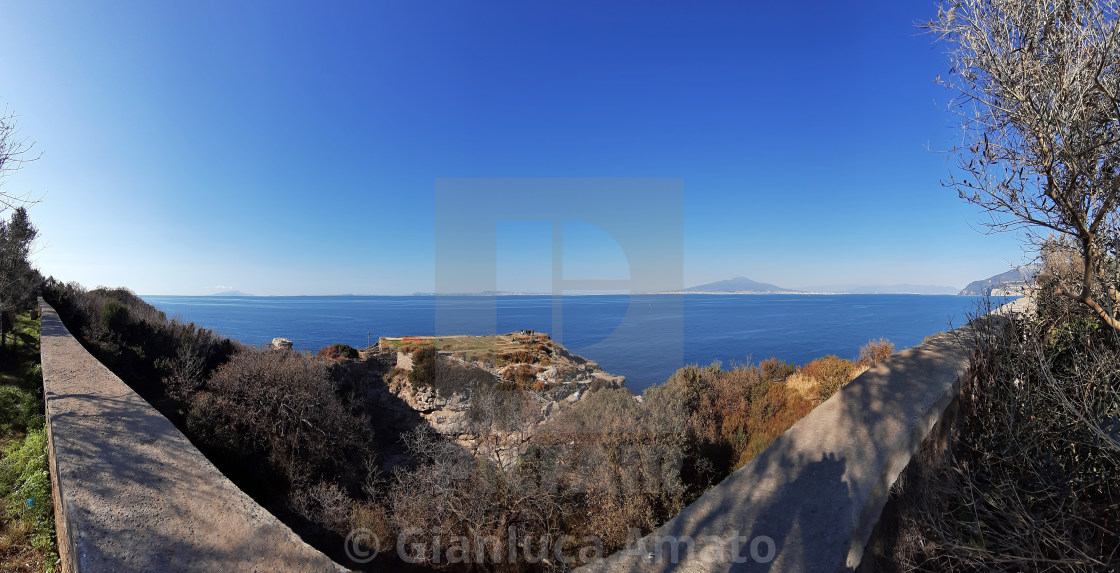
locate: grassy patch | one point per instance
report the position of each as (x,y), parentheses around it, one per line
(27,536)
(500,349)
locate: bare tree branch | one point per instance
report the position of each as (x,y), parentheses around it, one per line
(1036,85)
(14,153)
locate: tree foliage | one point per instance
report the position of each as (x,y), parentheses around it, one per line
(1038,93)
(18,279)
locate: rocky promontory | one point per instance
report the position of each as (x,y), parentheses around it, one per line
(476,390)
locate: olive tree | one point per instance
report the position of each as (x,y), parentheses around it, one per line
(1037,86)
(14,152)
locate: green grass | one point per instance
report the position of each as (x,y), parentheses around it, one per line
(27,536)
(470,348)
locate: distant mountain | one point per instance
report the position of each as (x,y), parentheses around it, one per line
(1009,282)
(745,285)
(229,293)
(737,285)
(883,289)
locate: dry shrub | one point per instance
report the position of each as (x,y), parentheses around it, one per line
(830,372)
(772,413)
(523,374)
(185,373)
(807,386)
(18,553)
(931,337)
(517,357)
(773,370)
(446,375)
(1031,484)
(503,409)
(597,384)
(375,518)
(283,406)
(875,351)
(616,460)
(324,504)
(416,345)
(450,495)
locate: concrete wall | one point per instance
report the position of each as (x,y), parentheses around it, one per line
(810,501)
(132,493)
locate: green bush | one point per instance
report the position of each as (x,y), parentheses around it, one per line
(423,373)
(20,409)
(34,376)
(114,317)
(338,352)
(21,403)
(25,487)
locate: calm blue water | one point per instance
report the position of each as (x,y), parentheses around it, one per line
(644,338)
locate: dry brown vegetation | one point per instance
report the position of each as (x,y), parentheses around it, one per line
(1030,479)
(282,408)
(821,378)
(875,351)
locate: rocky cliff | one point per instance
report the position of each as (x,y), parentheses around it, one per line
(488,393)
(1008,283)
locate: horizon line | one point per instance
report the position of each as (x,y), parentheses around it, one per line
(507,294)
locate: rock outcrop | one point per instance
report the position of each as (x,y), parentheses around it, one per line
(1010,283)
(479,379)
(531,359)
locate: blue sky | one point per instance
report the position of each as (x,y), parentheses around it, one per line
(293,149)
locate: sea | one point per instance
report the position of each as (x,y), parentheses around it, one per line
(642,337)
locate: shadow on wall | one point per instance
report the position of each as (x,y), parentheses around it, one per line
(810,498)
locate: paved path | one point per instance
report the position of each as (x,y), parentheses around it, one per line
(133,494)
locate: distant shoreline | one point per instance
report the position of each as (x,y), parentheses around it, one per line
(478,295)
(810,293)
